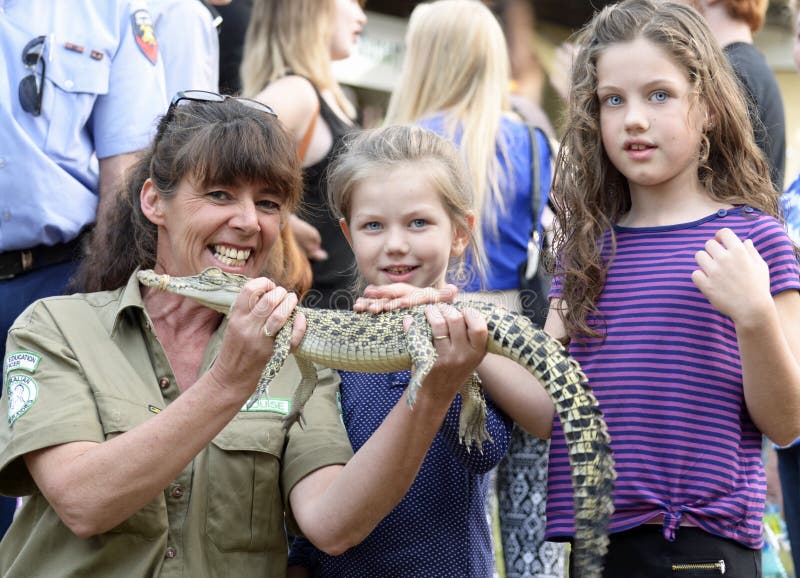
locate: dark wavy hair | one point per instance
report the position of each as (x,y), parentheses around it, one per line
(213,143)
(590,194)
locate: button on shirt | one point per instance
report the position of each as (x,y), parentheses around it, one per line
(101,95)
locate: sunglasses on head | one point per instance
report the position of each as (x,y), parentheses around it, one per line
(185,96)
(207,96)
(31,88)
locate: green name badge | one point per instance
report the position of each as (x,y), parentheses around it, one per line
(273,404)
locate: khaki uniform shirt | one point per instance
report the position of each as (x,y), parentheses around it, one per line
(90,367)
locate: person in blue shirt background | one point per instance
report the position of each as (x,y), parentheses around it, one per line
(789,456)
(81,89)
(188,36)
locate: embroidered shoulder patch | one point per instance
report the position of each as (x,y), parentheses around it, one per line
(144,35)
(22,393)
(273,404)
(24,360)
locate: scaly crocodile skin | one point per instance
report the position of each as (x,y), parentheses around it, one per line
(378,343)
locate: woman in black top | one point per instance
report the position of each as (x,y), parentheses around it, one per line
(289,49)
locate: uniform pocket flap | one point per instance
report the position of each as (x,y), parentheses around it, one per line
(120,415)
(256,432)
(73,72)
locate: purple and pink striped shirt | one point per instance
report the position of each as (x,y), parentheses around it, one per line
(668,379)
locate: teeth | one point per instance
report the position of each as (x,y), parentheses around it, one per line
(638,147)
(228,261)
(231,256)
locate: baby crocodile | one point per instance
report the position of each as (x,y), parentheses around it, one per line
(378,343)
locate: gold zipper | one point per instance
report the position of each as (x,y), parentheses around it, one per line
(719,566)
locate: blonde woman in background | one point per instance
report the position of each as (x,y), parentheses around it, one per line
(454,81)
(289,50)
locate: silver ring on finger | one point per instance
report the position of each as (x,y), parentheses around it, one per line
(267,332)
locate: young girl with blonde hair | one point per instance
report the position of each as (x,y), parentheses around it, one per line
(455,81)
(677,289)
(405,201)
(289,49)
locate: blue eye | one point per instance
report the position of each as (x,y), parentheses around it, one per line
(418,223)
(613,100)
(659,96)
(372,226)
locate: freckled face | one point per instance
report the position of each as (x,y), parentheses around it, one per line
(348,21)
(401,231)
(650,119)
(230,227)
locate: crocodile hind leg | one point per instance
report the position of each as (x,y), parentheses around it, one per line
(308,381)
(472,420)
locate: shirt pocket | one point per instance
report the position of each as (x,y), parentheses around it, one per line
(244,509)
(119,415)
(73,81)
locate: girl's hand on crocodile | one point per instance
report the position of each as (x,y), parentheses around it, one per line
(460,342)
(380,298)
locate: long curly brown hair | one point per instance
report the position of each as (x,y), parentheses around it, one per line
(590,194)
(220,143)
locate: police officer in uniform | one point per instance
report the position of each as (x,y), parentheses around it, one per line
(81,87)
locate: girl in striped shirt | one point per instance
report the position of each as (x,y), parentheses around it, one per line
(677,290)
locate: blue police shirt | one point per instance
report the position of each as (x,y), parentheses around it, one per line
(791,210)
(188,43)
(103,90)
(791,214)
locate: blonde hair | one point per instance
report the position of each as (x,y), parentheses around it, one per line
(457,63)
(368,153)
(290,37)
(591,194)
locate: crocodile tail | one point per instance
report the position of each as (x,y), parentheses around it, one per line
(588,442)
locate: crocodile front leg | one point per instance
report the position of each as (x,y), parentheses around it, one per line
(280,351)
(308,381)
(423,354)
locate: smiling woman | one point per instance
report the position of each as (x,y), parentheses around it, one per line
(239,160)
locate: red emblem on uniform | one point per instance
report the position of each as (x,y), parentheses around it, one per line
(144,35)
